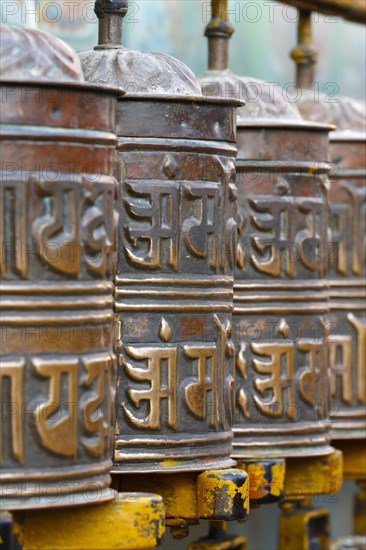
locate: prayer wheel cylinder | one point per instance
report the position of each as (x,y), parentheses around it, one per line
(281,292)
(281,301)
(347,269)
(174,285)
(58,245)
(348,287)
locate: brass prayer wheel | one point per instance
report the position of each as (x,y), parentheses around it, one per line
(280,290)
(174,284)
(58,243)
(347,269)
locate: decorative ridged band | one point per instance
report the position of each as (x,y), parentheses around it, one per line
(174,294)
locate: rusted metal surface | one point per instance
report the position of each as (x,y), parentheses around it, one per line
(174,287)
(347,269)
(280,291)
(58,368)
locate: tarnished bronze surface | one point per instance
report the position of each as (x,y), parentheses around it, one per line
(58,241)
(174,287)
(347,272)
(280,291)
(29,55)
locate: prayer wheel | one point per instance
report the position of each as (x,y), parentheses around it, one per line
(347,267)
(280,290)
(58,244)
(174,284)
(280,295)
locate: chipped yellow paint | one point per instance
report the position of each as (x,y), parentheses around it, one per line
(314,475)
(18,531)
(192,496)
(257,481)
(169,462)
(178,491)
(132,521)
(259,486)
(312,170)
(278,479)
(218,492)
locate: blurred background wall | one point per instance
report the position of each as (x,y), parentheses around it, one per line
(265,32)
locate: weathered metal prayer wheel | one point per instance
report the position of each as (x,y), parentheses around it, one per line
(174,284)
(280,290)
(347,269)
(174,288)
(280,293)
(58,368)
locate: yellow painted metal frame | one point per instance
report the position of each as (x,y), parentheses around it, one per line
(354,457)
(190,497)
(264,482)
(294,528)
(321,475)
(218,539)
(132,521)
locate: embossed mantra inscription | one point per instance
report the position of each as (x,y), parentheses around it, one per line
(280,299)
(348,287)
(174,290)
(58,243)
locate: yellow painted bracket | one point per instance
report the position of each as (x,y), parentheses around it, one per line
(132,521)
(266,479)
(354,468)
(189,496)
(302,528)
(219,540)
(310,476)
